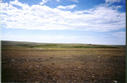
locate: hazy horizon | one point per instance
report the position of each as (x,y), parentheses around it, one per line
(58,42)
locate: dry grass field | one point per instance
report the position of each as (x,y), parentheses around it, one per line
(36,63)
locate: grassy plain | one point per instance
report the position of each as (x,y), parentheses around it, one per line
(62,63)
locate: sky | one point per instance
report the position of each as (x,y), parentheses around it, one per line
(64,21)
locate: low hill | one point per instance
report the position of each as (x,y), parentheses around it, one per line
(56,45)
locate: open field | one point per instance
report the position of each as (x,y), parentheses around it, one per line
(62,63)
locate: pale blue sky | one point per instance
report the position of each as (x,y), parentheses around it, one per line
(64,21)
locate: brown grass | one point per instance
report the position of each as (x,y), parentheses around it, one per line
(63,65)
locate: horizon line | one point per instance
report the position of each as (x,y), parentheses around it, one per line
(58,43)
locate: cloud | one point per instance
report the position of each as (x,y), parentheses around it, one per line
(42,17)
(113,39)
(58,0)
(66,7)
(112,1)
(43,2)
(116,7)
(40,38)
(120,35)
(75,1)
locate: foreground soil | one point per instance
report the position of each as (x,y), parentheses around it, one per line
(65,65)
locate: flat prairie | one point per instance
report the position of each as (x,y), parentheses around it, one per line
(62,63)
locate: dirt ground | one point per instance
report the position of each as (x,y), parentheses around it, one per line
(71,65)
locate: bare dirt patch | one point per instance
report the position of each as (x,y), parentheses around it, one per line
(65,65)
